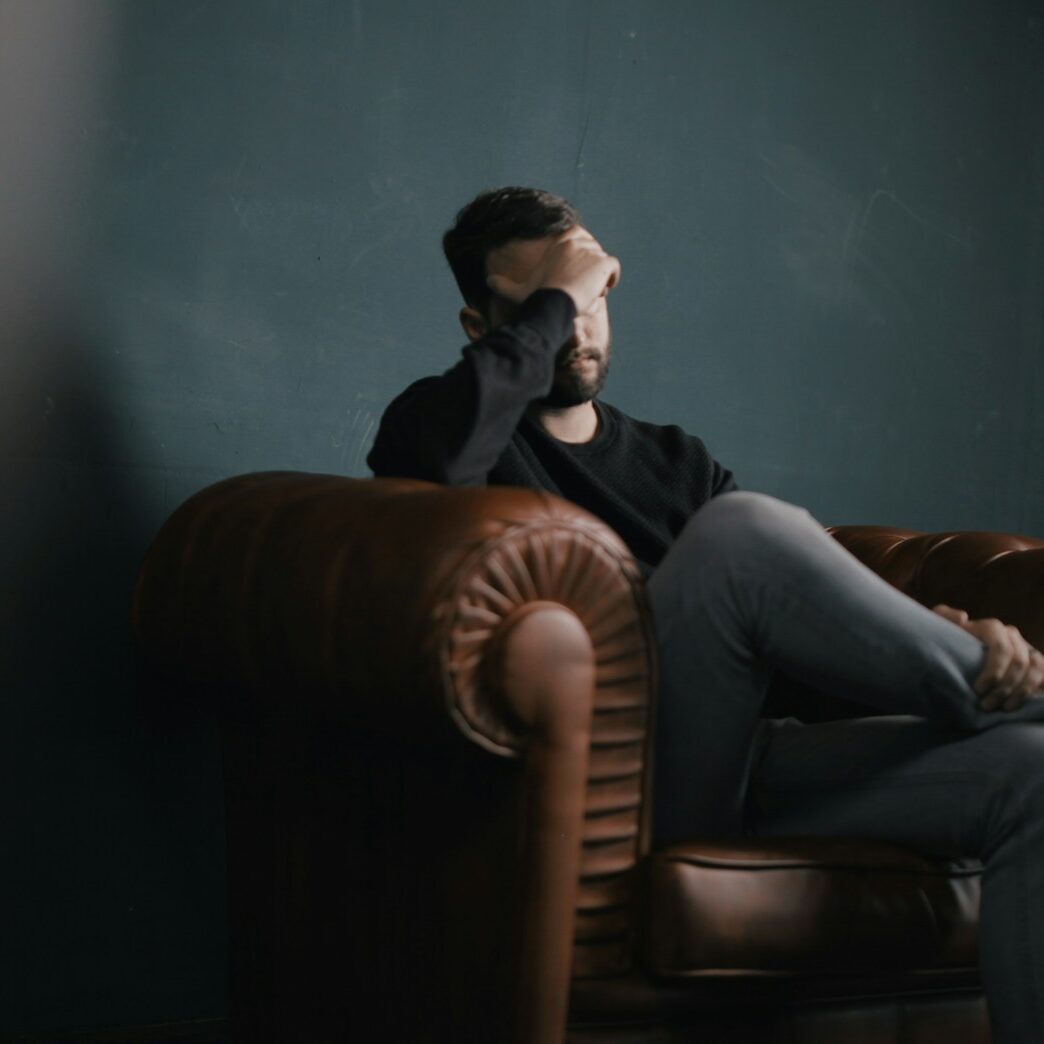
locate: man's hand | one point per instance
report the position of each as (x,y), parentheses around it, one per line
(575,262)
(1014,670)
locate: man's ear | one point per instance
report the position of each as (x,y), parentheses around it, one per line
(473,322)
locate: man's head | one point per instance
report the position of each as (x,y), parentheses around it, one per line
(492,219)
(507,232)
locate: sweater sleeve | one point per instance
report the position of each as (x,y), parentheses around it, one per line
(453,428)
(722,480)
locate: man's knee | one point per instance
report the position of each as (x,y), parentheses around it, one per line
(734,522)
(724,541)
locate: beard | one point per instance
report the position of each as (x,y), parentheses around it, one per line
(575,386)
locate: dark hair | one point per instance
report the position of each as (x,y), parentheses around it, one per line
(494,218)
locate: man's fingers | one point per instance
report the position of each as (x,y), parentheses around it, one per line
(609,269)
(1034,681)
(1019,682)
(1020,659)
(999,652)
(580,267)
(1013,670)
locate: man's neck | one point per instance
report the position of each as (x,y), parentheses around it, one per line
(569,423)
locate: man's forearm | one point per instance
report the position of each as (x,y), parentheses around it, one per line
(453,428)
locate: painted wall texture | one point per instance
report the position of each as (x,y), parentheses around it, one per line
(219,249)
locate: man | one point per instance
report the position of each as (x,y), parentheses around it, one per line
(741,586)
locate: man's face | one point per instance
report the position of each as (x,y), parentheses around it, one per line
(582,363)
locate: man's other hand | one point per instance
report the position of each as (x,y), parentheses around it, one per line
(1013,671)
(574,262)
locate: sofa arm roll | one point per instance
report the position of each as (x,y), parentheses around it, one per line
(377,602)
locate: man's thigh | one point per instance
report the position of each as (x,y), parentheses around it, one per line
(900,779)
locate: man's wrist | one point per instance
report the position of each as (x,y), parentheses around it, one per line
(542,293)
(549,312)
(547,302)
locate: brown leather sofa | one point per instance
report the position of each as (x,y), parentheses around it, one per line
(435,708)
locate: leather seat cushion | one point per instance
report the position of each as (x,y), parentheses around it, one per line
(805,905)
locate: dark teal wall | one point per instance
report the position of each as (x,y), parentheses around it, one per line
(221,255)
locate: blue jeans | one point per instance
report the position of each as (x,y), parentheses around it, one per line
(754,585)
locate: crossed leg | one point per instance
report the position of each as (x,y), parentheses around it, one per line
(753,585)
(931,788)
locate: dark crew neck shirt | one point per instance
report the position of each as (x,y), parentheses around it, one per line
(469,427)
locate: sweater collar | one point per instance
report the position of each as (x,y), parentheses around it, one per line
(604,436)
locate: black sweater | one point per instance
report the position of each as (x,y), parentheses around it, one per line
(469,427)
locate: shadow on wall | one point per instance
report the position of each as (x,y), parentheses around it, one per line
(112,786)
(112,833)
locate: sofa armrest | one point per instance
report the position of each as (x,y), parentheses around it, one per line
(986,574)
(427,614)
(379,600)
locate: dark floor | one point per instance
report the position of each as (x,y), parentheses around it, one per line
(196,1031)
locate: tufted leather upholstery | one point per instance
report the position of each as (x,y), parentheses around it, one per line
(436,708)
(808,905)
(987,574)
